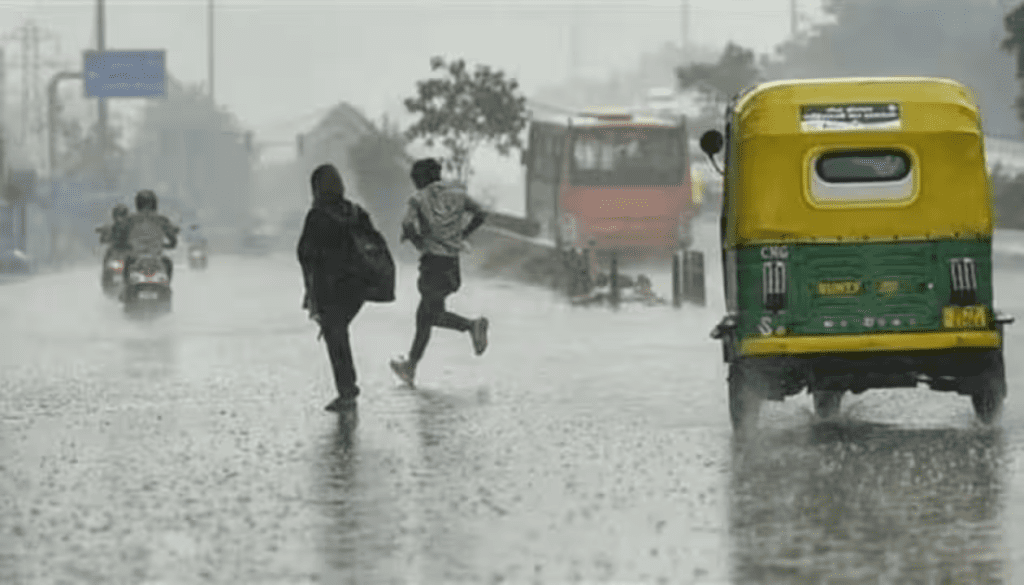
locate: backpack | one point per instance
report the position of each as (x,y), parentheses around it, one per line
(372,261)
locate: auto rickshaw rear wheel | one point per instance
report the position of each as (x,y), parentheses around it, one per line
(826,403)
(744,402)
(988,388)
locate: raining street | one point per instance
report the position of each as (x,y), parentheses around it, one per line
(585,446)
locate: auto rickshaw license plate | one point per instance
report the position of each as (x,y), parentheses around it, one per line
(829,288)
(973,317)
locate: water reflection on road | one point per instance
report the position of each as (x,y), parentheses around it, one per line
(377,491)
(150,357)
(858,502)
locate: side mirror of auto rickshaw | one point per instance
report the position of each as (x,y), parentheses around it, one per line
(711,142)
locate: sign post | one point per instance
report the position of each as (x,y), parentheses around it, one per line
(125,73)
(131,74)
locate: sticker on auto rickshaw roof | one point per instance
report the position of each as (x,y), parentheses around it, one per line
(842,117)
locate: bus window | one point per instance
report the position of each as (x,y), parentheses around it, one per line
(627,156)
(545,154)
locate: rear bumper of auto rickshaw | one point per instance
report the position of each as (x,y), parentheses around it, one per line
(872,342)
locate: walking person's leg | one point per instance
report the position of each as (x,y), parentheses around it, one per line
(439,277)
(427,315)
(336,321)
(431,305)
(477,328)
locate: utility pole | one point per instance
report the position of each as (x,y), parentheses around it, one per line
(51,109)
(209,51)
(29,36)
(3,104)
(792,19)
(26,78)
(686,29)
(574,48)
(101,45)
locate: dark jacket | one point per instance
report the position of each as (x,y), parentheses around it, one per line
(326,255)
(145,233)
(109,232)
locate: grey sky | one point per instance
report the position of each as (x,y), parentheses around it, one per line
(280,63)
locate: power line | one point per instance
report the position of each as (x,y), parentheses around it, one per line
(30,36)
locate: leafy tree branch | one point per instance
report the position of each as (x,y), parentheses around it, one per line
(461,110)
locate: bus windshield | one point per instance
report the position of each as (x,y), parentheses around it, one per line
(627,156)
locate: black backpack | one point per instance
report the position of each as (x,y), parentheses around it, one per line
(372,259)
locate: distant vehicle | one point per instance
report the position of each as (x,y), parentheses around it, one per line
(197,258)
(856,235)
(600,185)
(196,248)
(15,262)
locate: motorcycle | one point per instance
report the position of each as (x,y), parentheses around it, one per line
(197,257)
(147,287)
(112,273)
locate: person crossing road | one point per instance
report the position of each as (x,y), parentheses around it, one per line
(440,216)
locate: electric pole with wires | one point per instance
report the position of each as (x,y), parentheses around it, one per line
(29,38)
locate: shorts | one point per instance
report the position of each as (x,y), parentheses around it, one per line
(439,275)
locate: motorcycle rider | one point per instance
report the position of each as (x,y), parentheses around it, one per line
(120,216)
(115,249)
(194,237)
(147,233)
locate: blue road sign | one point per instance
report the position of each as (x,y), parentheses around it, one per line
(124,73)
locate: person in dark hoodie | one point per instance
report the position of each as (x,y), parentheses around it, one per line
(440,216)
(334,294)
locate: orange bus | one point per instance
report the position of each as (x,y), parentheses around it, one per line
(610,183)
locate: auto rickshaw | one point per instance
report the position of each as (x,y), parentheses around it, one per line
(856,235)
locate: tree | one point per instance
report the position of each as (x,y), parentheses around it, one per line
(910,37)
(462,110)
(82,158)
(1014,23)
(627,87)
(193,153)
(381,169)
(735,70)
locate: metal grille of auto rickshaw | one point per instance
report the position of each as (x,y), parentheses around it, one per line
(964,279)
(773,284)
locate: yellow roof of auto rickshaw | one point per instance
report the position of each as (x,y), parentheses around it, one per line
(938,125)
(772,107)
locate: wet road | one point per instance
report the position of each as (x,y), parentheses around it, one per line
(584,446)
